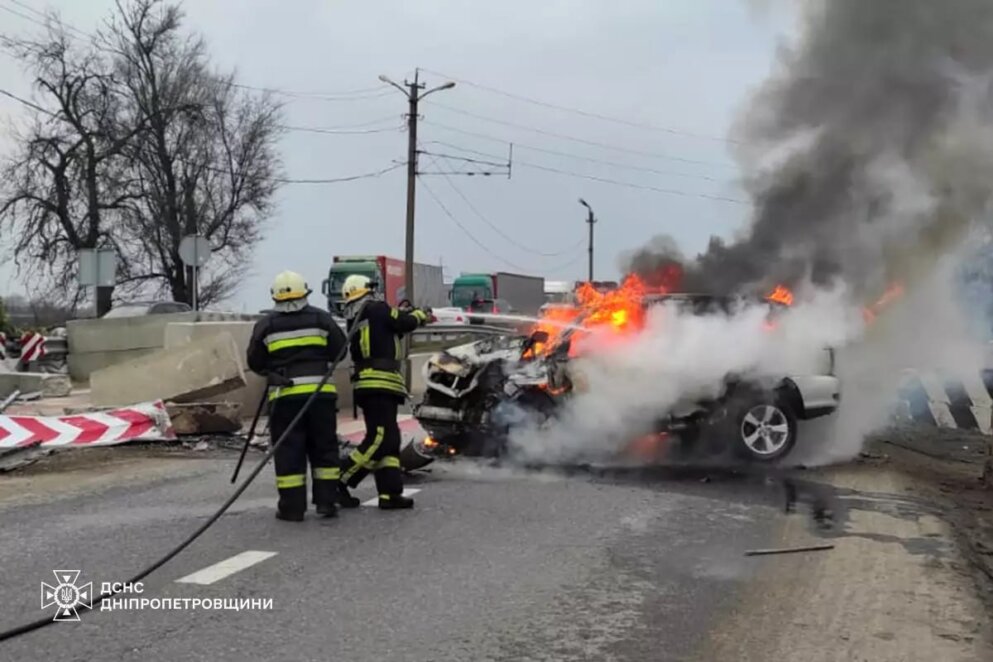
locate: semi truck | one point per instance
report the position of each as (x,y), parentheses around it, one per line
(522,294)
(388,274)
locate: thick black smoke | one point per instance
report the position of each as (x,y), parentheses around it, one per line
(869,150)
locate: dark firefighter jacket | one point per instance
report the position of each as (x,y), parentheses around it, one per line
(298,347)
(376,348)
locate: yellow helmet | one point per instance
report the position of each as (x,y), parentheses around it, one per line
(289,286)
(355,287)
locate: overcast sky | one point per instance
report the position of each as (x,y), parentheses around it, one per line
(680,65)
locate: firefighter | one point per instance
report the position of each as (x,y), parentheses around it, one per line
(379,389)
(293,347)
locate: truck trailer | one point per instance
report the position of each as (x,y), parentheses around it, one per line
(523,294)
(388,275)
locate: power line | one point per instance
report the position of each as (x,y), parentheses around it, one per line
(645,187)
(593,143)
(353,95)
(466,231)
(492,225)
(337,180)
(580,157)
(339,132)
(584,113)
(42,15)
(27,103)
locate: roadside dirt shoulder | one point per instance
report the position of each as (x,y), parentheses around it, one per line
(895,587)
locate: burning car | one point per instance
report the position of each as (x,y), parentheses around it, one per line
(477,393)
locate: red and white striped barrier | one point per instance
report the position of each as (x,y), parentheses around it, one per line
(147,422)
(32,347)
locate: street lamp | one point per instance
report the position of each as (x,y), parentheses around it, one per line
(591,219)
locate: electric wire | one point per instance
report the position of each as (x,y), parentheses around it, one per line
(577,139)
(584,113)
(493,226)
(580,157)
(644,187)
(465,230)
(337,180)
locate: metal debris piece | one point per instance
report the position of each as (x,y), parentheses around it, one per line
(9,399)
(788,550)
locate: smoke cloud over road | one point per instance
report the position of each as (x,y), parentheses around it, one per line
(868,155)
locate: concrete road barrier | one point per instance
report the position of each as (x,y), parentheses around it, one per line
(197,370)
(49,385)
(181,334)
(95,344)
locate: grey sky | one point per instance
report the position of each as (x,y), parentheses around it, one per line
(684,65)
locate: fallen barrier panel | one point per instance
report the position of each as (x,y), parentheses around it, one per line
(142,422)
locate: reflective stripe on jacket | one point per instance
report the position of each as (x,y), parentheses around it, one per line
(376,350)
(298,347)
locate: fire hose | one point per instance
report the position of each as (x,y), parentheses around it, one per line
(42,622)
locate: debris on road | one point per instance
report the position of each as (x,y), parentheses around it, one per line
(193,372)
(49,385)
(9,399)
(148,422)
(197,418)
(789,550)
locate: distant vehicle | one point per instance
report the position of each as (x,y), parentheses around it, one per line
(139,308)
(449,315)
(388,274)
(524,294)
(558,291)
(489,307)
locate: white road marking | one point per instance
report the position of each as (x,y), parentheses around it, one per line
(407,492)
(226,568)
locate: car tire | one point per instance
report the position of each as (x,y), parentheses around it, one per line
(762,427)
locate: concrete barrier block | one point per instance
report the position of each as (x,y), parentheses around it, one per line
(50,386)
(195,371)
(179,334)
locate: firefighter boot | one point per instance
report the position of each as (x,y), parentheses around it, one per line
(395,502)
(345,497)
(289,517)
(327,510)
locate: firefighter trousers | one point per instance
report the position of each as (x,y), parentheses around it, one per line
(379,452)
(315,437)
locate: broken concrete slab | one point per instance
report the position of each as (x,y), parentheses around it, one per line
(49,385)
(205,417)
(180,334)
(198,370)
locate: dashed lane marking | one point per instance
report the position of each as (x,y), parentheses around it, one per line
(410,491)
(226,568)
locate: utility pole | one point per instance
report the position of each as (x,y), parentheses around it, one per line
(412,90)
(590,219)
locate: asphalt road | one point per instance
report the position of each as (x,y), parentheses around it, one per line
(491,565)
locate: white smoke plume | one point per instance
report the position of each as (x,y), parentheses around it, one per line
(678,358)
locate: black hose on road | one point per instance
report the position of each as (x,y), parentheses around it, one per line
(42,622)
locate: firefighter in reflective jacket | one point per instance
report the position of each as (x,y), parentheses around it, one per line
(293,347)
(379,389)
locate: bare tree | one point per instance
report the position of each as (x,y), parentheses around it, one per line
(67,184)
(137,143)
(207,163)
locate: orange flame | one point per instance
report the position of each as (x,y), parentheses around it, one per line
(615,312)
(781,294)
(892,293)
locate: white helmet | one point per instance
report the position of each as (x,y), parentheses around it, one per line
(356,286)
(289,286)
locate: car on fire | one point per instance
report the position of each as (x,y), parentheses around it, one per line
(468,388)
